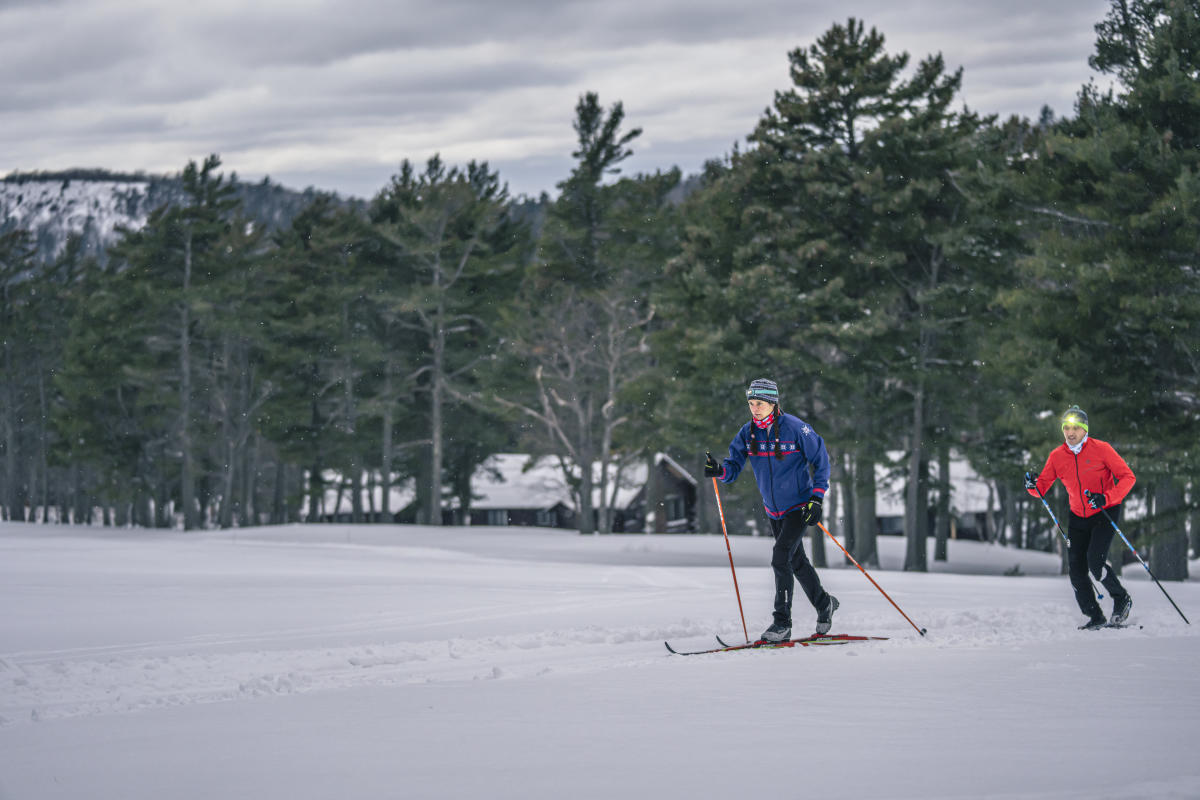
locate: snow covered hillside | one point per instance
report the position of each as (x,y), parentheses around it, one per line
(93,204)
(409,662)
(53,210)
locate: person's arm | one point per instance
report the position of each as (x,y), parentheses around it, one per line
(736,459)
(819,459)
(1122,475)
(1045,478)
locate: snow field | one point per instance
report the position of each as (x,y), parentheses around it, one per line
(398,661)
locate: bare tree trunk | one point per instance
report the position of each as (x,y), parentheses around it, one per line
(250,492)
(1168,555)
(866,528)
(356,493)
(587,516)
(914,512)
(941,544)
(1194,517)
(228,403)
(656,511)
(386,454)
(279,514)
(849,506)
(316,491)
(163,516)
(372,514)
(45,464)
(1008,500)
(187,488)
(33,489)
(436,398)
(12,481)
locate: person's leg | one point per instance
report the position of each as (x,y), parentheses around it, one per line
(803,569)
(1079,533)
(1097,554)
(788,537)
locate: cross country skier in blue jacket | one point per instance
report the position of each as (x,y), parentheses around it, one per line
(782,449)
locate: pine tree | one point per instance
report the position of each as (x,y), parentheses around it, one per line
(312,357)
(851,258)
(450,252)
(579,328)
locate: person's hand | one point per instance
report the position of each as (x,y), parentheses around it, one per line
(1096,499)
(712,469)
(812,511)
(1031,481)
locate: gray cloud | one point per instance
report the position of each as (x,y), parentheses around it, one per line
(337,94)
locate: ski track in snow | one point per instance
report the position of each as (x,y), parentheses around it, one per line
(209,669)
(120,679)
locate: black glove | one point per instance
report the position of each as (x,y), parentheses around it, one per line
(1096,499)
(812,511)
(1031,481)
(712,469)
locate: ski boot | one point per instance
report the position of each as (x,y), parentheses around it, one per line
(776,633)
(1121,606)
(825,617)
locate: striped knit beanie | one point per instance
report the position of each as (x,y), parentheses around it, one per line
(763,389)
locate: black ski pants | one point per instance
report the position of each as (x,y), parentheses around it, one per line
(1090,538)
(787,560)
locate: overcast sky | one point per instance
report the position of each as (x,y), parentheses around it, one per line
(334,94)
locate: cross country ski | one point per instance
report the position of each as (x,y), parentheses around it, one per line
(808,641)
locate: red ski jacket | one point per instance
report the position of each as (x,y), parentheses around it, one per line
(1097,469)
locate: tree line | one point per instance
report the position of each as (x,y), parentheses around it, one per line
(918,278)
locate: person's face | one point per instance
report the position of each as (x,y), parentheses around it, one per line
(1073,434)
(760,409)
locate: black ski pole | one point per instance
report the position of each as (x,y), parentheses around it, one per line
(1139,558)
(1042,497)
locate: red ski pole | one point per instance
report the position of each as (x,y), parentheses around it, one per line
(872,580)
(729,550)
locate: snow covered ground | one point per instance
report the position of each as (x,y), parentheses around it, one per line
(408,662)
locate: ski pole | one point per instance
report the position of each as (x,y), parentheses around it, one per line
(729,550)
(872,580)
(1139,558)
(1099,594)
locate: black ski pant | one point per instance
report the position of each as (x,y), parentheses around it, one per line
(787,560)
(1090,538)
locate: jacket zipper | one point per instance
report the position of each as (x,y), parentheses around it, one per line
(1079,483)
(771,475)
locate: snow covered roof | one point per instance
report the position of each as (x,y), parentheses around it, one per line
(516,481)
(968,491)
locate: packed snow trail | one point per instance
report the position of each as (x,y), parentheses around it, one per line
(397,661)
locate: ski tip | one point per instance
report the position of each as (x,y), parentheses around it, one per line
(671,649)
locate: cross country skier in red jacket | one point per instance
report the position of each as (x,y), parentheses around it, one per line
(1095,478)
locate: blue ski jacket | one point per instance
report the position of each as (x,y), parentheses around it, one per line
(785,484)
